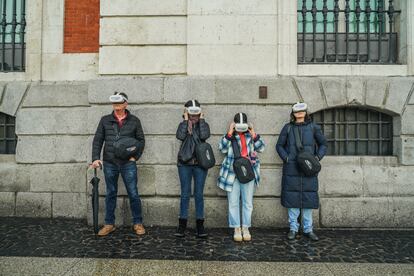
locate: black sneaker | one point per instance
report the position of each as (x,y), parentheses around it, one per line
(201,232)
(291,235)
(311,236)
(182,225)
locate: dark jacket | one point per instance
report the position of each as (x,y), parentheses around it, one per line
(203,132)
(299,191)
(106,132)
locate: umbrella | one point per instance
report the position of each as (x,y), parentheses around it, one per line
(95,200)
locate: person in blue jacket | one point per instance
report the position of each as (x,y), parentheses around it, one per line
(299,192)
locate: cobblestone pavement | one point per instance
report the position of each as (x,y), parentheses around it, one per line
(75,239)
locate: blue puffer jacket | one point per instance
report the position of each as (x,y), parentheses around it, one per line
(299,191)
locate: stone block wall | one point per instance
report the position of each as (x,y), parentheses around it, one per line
(55,123)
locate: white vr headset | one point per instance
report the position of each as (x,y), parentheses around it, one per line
(117,98)
(298,107)
(242,126)
(193,109)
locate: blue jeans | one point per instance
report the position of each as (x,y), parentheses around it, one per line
(293,214)
(246,192)
(187,173)
(128,172)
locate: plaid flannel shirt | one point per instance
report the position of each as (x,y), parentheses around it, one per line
(227,175)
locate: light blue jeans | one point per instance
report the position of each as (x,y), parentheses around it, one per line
(246,192)
(306,219)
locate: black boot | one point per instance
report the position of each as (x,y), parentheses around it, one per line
(312,236)
(182,225)
(201,232)
(291,235)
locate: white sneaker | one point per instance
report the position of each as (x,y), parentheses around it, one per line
(246,234)
(237,234)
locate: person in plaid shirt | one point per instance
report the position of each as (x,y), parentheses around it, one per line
(249,143)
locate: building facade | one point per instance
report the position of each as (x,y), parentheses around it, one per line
(352,61)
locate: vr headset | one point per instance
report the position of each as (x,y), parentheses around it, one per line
(242,126)
(117,98)
(193,109)
(299,107)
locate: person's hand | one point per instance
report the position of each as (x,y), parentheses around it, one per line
(185,114)
(251,130)
(132,159)
(96,164)
(231,128)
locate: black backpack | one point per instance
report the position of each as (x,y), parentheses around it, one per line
(204,153)
(242,166)
(308,164)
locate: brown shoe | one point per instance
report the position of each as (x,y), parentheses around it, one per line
(106,229)
(139,229)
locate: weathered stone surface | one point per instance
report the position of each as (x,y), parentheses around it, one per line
(12,96)
(13,178)
(375,92)
(336,179)
(232,60)
(399,91)
(157,30)
(355,91)
(407,126)
(142,7)
(119,211)
(182,89)
(142,60)
(310,90)
(34,204)
(148,177)
(239,91)
(139,90)
(52,121)
(57,178)
(335,91)
(57,94)
(231,7)
(69,205)
(367,212)
(2,89)
(407,150)
(232,30)
(388,181)
(50,149)
(7,204)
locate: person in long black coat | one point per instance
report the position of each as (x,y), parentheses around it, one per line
(299,192)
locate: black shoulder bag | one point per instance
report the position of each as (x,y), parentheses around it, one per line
(242,166)
(204,153)
(125,147)
(307,162)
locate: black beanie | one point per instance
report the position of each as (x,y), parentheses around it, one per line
(190,103)
(237,118)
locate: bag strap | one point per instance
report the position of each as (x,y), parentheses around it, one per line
(117,133)
(235,146)
(196,137)
(298,141)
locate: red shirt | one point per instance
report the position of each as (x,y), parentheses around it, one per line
(243,145)
(120,120)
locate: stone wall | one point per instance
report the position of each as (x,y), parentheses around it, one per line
(48,176)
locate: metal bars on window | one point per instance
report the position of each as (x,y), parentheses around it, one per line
(8,137)
(347,31)
(12,35)
(355,131)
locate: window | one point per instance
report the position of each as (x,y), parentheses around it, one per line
(356,131)
(8,137)
(347,31)
(12,35)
